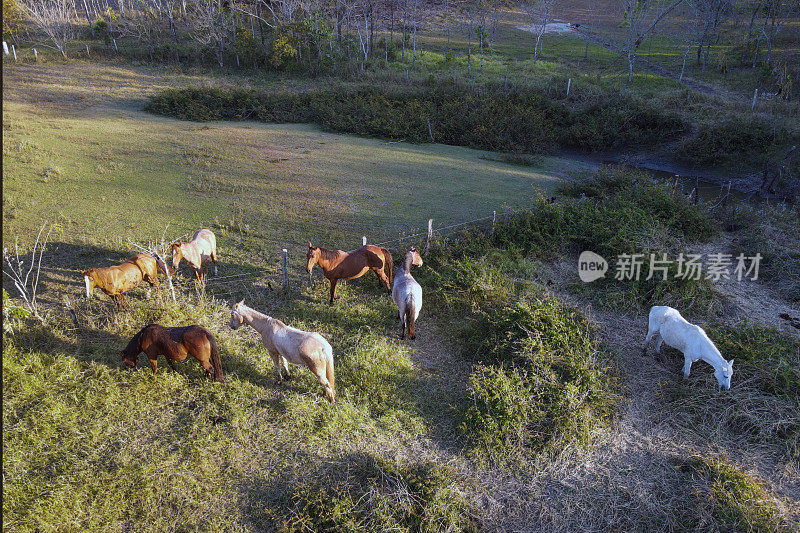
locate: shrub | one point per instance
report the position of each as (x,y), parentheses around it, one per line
(735,500)
(378,495)
(546,381)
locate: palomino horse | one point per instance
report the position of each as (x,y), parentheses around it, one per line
(118,279)
(407,294)
(197,253)
(175,344)
(290,345)
(674,330)
(349,265)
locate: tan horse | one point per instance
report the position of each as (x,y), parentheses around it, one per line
(290,345)
(197,253)
(349,265)
(119,279)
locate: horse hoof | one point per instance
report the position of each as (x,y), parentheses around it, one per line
(413,337)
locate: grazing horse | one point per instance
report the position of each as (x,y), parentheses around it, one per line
(349,265)
(407,294)
(197,253)
(175,344)
(674,330)
(290,345)
(118,279)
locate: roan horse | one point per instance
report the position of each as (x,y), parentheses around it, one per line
(118,279)
(197,253)
(407,294)
(349,265)
(175,344)
(672,329)
(290,345)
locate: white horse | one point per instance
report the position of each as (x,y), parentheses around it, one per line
(407,294)
(290,345)
(197,253)
(672,329)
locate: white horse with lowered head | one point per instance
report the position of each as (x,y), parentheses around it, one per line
(290,345)
(671,328)
(407,294)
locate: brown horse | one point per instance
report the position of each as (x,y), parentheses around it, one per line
(197,253)
(119,279)
(349,265)
(175,344)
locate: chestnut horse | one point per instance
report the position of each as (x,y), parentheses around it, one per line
(350,265)
(175,344)
(118,279)
(197,253)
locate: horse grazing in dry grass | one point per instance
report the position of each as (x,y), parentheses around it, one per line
(290,345)
(119,279)
(197,253)
(673,330)
(407,294)
(175,344)
(350,265)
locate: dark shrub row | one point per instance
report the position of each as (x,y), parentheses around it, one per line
(490,118)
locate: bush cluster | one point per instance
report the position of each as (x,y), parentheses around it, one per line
(491,117)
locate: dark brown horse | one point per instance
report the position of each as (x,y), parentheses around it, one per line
(176,344)
(349,265)
(119,279)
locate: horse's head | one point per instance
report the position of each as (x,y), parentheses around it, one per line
(130,355)
(416,259)
(88,281)
(236,318)
(723,373)
(312,257)
(177,254)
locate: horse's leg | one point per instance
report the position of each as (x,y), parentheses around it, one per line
(153,362)
(214,258)
(687,365)
(659,344)
(276,359)
(333,290)
(647,339)
(171,364)
(384,278)
(286,368)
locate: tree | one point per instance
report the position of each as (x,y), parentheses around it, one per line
(12,18)
(54,18)
(709,16)
(540,12)
(642,17)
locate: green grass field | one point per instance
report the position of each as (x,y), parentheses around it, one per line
(90,446)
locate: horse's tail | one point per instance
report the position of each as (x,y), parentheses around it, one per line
(388,261)
(215,360)
(330,375)
(410,314)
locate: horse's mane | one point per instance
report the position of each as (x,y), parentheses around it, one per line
(328,255)
(135,342)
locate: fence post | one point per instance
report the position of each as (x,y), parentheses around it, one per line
(569,83)
(35,55)
(430,235)
(115,45)
(430,132)
(285,254)
(87,50)
(5,49)
(494,220)
(13,49)
(755,97)
(364,240)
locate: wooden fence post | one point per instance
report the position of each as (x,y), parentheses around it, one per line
(13,49)
(5,50)
(115,45)
(755,97)
(35,55)
(87,50)
(364,240)
(430,235)
(430,131)
(494,220)
(569,83)
(285,254)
